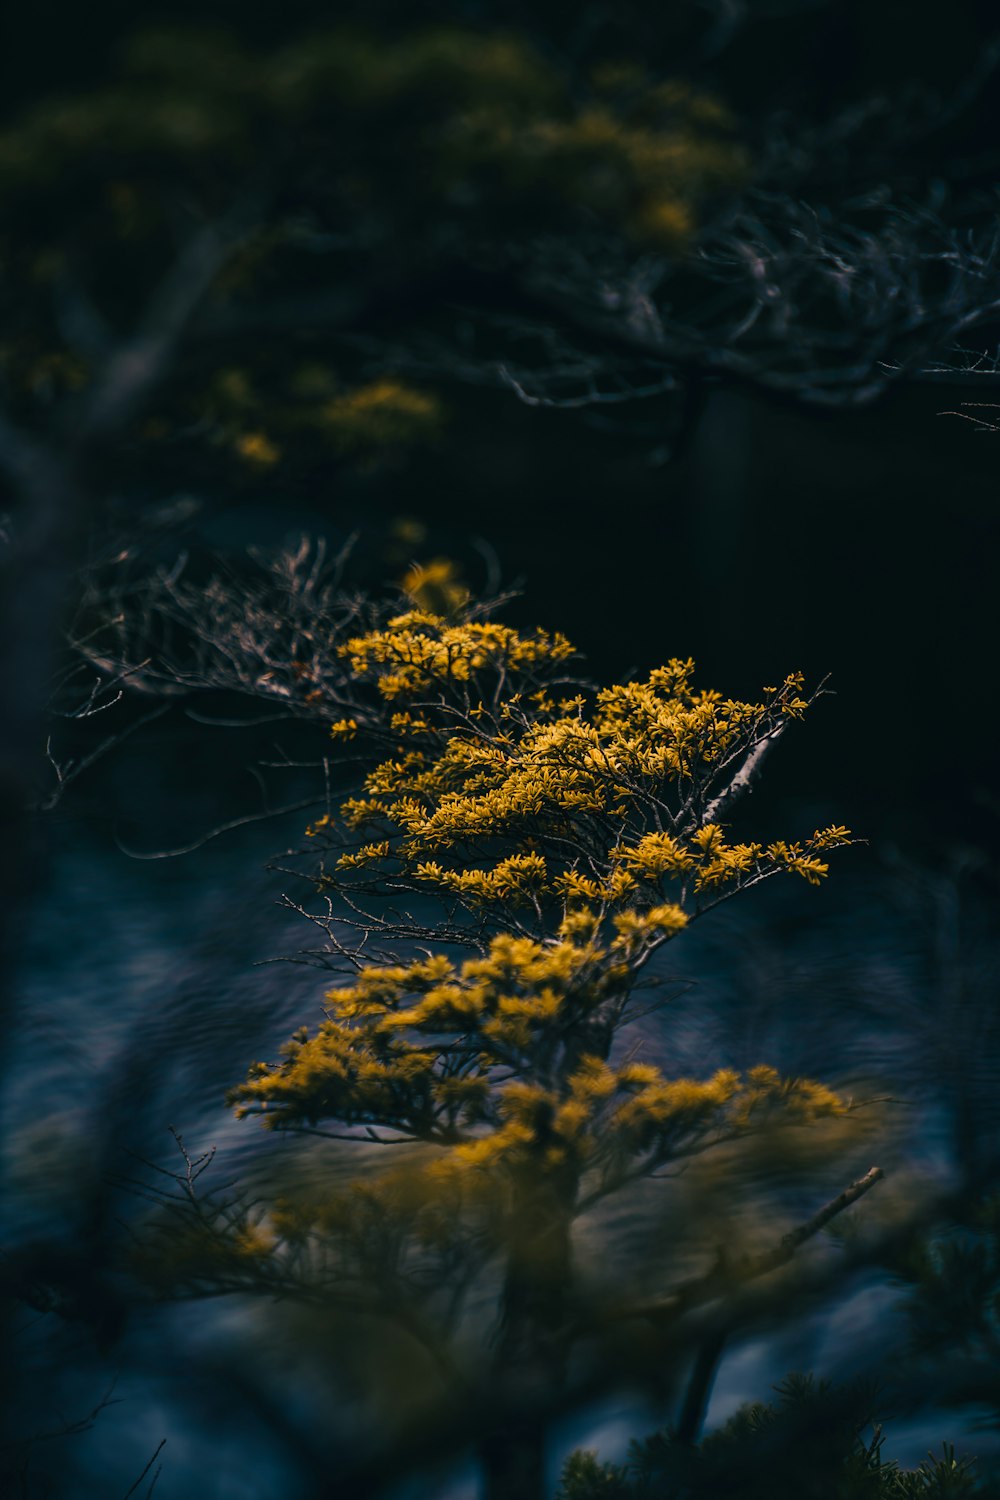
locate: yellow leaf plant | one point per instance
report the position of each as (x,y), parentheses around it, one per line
(564,836)
(519,847)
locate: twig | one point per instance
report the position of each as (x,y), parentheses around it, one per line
(729,1274)
(131,1491)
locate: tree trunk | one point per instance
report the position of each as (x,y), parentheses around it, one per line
(513,1463)
(532,1340)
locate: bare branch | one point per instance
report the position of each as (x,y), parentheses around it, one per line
(731,1274)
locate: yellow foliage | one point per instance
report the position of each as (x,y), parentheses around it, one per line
(479,108)
(491,759)
(577,831)
(435,586)
(419,651)
(257,448)
(385,413)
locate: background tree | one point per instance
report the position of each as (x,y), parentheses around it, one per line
(215,298)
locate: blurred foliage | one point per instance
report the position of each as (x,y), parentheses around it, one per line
(815,1442)
(956,1282)
(953,1280)
(436,587)
(490,125)
(824,1441)
(374,171)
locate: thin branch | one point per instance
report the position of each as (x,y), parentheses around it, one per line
(745,777)
(730,1274)
(214,833)
(132,1489)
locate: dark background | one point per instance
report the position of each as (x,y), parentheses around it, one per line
(859,545)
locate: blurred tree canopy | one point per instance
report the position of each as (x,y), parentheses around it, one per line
(368,185)
(583,217)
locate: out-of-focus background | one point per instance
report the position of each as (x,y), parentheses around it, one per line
(448,328)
